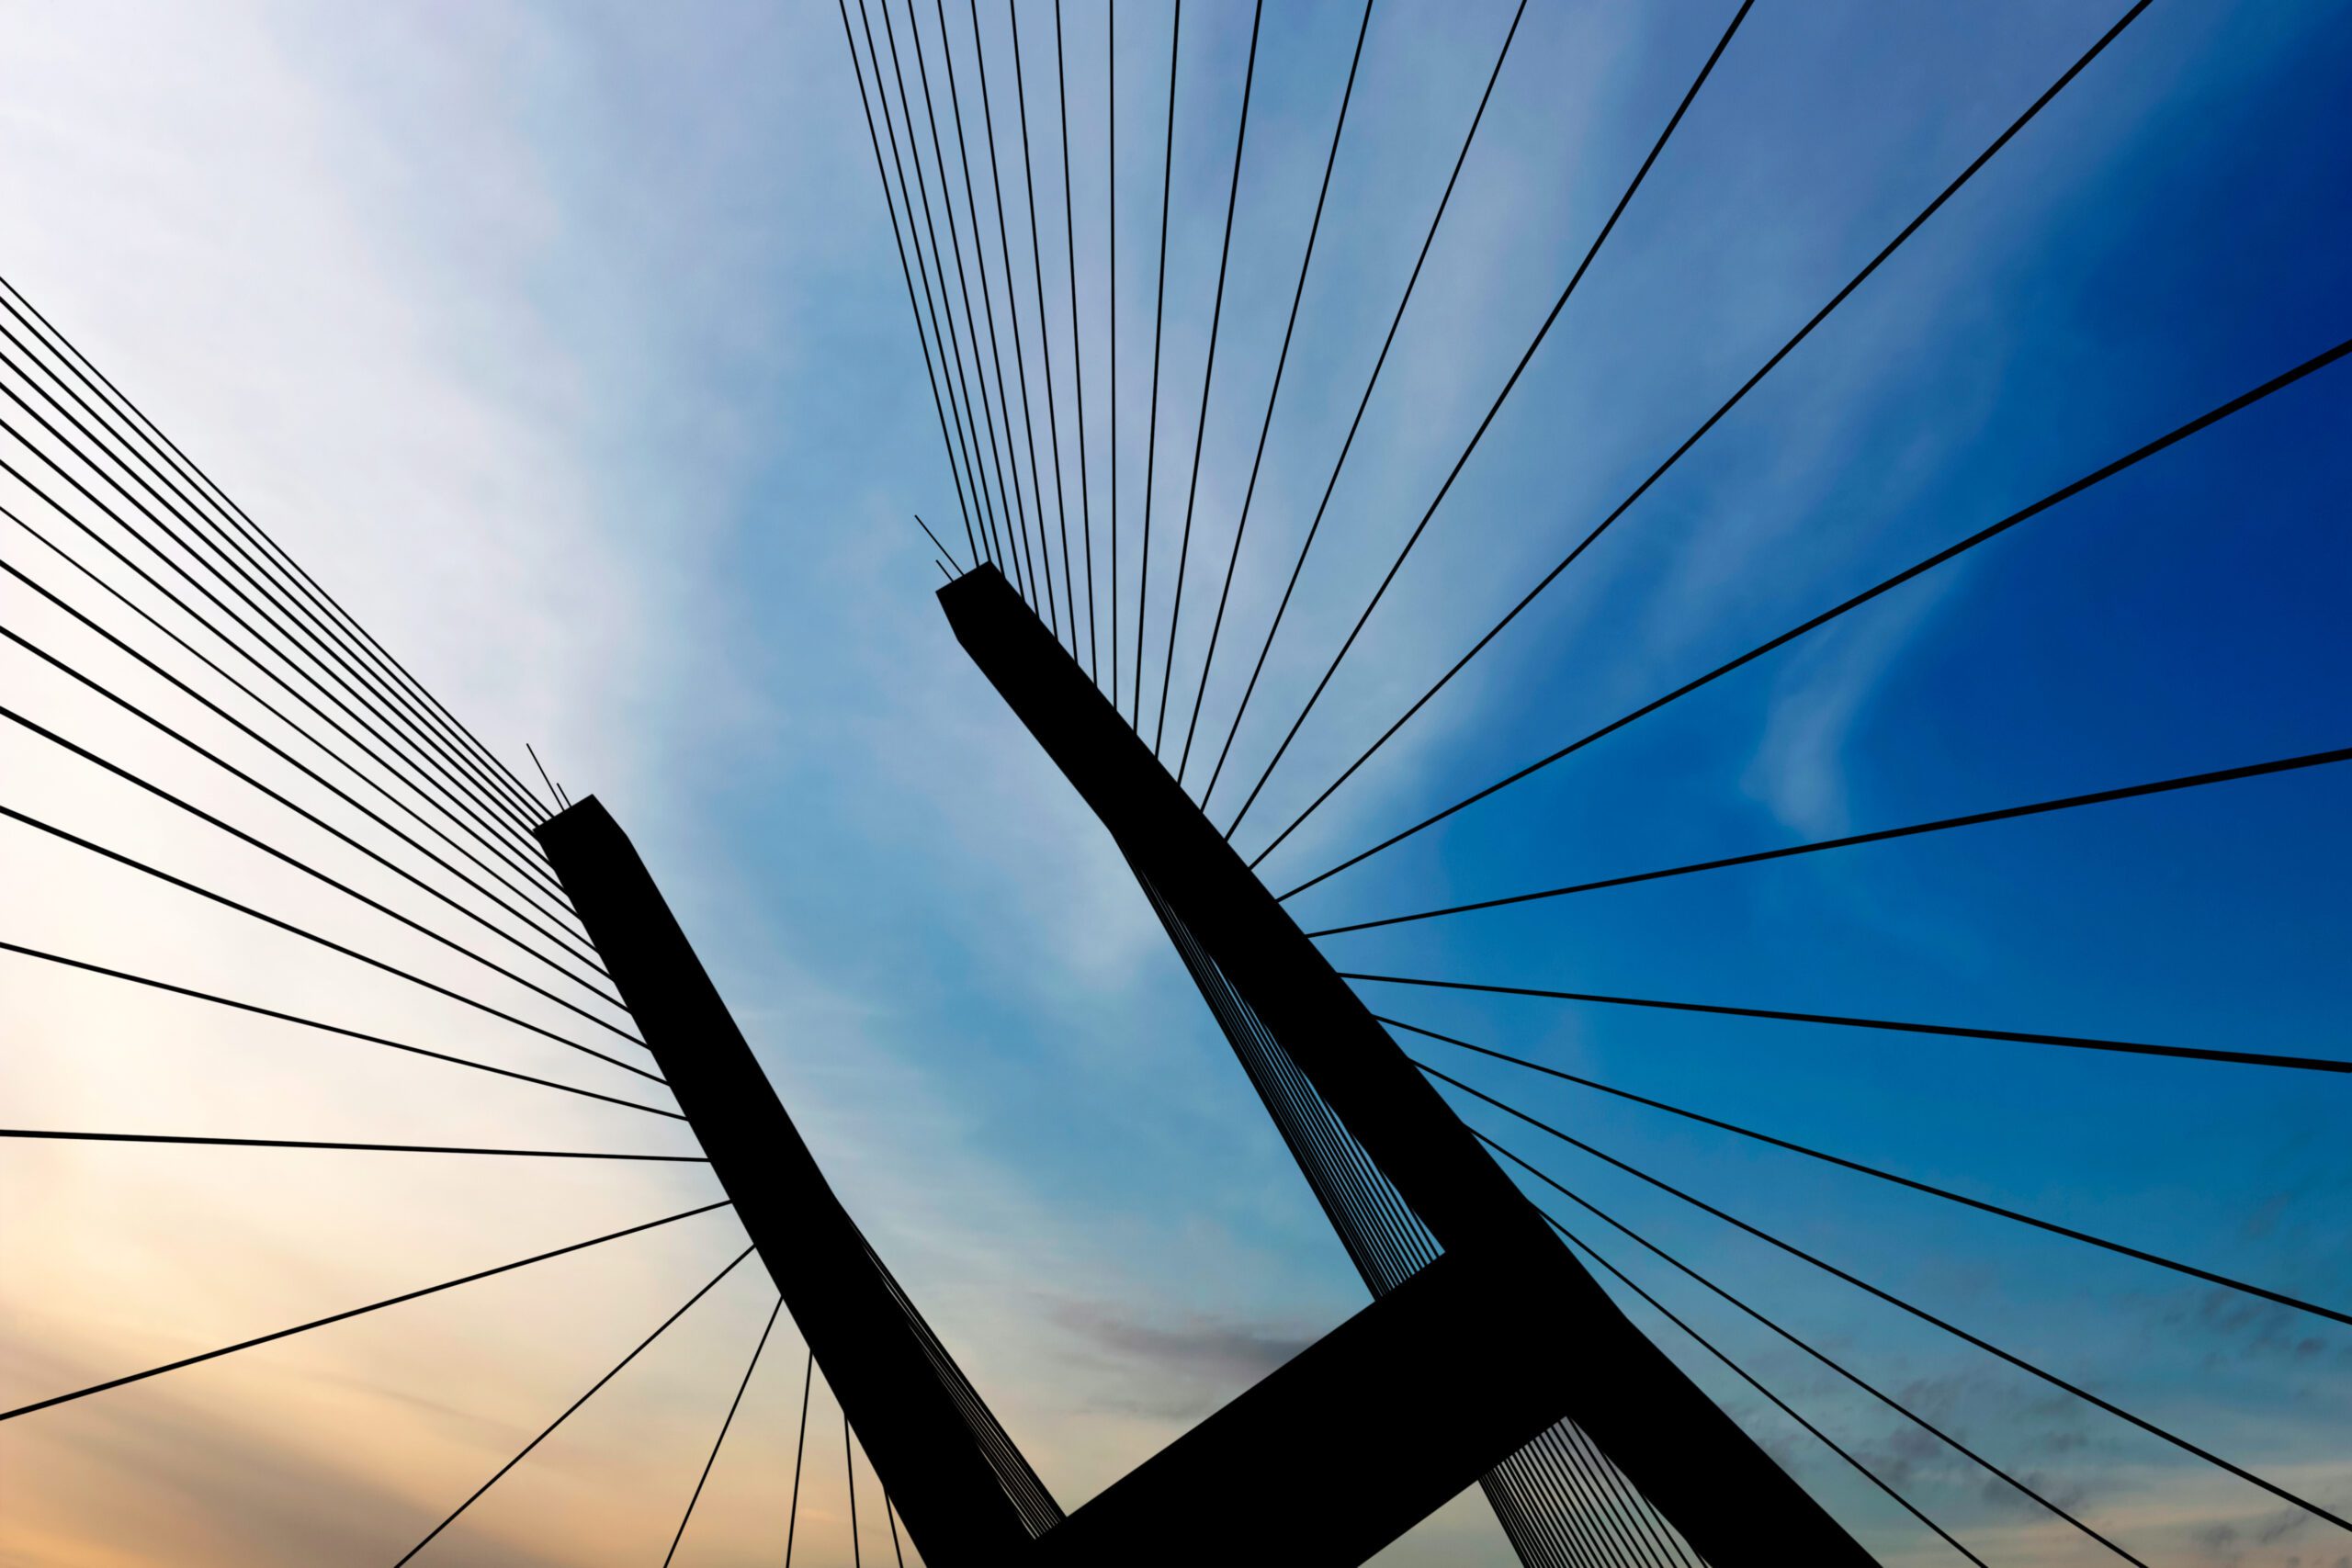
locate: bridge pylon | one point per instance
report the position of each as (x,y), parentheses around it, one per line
(1484,1336)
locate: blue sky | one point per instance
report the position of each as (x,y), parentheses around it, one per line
(569,345)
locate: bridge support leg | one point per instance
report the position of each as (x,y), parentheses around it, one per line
(951,1471)
(1581,1359)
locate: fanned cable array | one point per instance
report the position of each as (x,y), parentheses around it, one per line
(1562,1501)
(200,728)
(245,821)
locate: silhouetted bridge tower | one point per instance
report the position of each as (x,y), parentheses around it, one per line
(142,601)
(1486,1341)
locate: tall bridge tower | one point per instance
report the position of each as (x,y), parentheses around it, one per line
(1488,1354)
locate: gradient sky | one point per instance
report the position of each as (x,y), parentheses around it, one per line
(567,344)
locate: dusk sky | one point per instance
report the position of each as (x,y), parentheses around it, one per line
(567,344)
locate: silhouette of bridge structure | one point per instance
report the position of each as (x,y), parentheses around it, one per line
(1496,1349)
